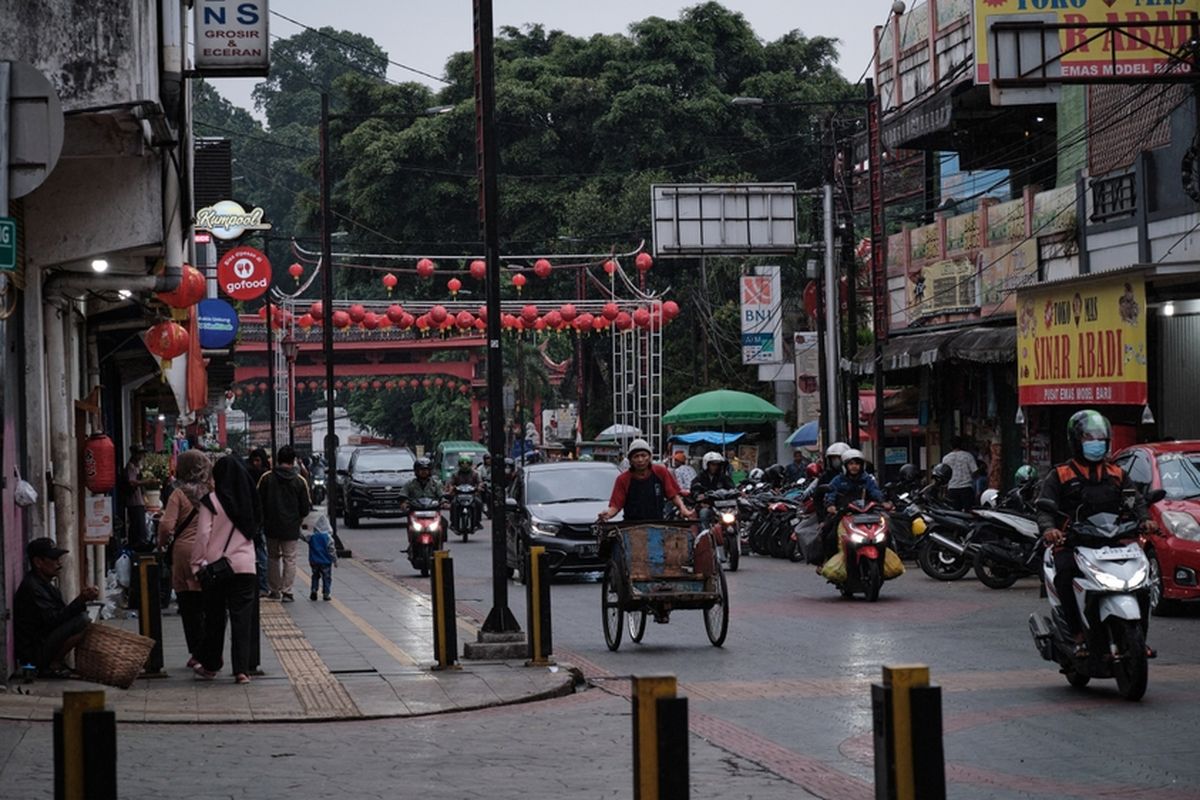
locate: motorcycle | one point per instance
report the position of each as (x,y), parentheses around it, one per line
(464,513)
(426,532)
(320,491)
(1112,591)
(1008,550)
(863,543)
(724,528)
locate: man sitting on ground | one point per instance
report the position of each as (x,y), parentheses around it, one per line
(46,627)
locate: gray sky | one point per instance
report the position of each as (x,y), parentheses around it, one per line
(423,35)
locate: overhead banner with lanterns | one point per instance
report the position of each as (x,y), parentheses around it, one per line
(1083,344)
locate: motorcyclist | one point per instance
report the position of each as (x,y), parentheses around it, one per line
(711,478)
(833,468)
(775,476)
(854,484)
(425,484)
(466,475)
(1087,484)
(640,491)
(1026,486)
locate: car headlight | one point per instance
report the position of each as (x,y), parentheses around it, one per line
(1182,524)
(543,528)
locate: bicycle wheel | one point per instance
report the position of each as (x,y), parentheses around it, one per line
(610,606)
(716,616)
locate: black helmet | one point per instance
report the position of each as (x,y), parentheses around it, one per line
(941,473)
(910,473)
(775,474)
(1088,425)
(422,463)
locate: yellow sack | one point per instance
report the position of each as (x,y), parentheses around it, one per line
(893,567)
(835,569)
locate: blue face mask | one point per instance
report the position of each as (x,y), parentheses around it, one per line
(1095,450)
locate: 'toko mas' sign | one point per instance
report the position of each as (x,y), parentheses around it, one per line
(1083,344)
(244,273)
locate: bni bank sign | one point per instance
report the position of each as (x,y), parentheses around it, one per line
(232,38)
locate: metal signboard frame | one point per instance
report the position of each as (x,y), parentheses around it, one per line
(694,219)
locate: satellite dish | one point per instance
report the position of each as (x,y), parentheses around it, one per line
(35,133)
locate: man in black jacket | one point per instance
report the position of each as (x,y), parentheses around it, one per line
(46,628)
(285,503)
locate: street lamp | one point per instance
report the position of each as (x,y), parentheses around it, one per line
(290,349)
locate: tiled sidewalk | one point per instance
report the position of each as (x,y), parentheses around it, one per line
(365,654)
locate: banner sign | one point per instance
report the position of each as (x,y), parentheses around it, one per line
(232,38)
(808,376)
(97,519)
(227,220)
(218,323)
(762,317)
(943,287)
(1083,344)
(244,273)
(1137,51)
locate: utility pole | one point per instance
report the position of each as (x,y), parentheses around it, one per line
(331,439)
(500,619)
(848,258)
(832,407)
(879,294)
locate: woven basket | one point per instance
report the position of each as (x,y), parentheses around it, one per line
(111,656)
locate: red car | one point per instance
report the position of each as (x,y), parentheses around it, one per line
(1174,551)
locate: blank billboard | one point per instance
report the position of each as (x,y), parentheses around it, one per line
(730,219)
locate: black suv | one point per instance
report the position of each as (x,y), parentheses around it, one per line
(375,483)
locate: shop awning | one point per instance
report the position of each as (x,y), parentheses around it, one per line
(905,351)
(994,345)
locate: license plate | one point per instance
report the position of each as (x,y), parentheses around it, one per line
(589,549)
(1118,553)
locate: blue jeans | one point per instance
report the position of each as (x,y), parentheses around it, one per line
(260,564)
(323,574)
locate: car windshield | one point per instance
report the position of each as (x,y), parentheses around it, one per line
(1180,475)
(452,457)
(388,461)
(570,485)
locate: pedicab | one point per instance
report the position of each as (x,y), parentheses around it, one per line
(655,568)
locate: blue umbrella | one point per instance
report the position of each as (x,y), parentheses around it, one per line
(805,436)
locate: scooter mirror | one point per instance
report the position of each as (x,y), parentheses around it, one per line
(1155,496)
(1047,505)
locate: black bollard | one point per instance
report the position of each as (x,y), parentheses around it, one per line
(79,754)
(150,616)
(906,710)
(445,620)
(652,772)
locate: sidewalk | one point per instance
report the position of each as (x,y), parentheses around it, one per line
(365,654)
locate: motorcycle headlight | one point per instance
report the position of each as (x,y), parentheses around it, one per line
(1110,582)
(1182,524)
(857,537)
(727,518)
(543,528)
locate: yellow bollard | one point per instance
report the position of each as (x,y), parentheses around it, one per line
(537,603)
(69,742)
(647,691)
(901,679)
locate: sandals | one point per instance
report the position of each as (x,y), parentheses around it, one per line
(241,677)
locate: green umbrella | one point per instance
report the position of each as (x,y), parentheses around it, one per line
(722,407)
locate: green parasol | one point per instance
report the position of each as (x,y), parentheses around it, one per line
(722,407)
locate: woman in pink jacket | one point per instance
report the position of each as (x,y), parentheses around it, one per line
(179,521)
(225,526)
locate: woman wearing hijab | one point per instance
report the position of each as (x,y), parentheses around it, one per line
(225,527)
(193,474)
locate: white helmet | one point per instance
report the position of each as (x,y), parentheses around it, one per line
(836,449)
(988,498)
(712,457)
(638,444)
(755,475)
(850,454)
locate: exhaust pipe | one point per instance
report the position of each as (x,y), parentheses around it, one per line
(949,544)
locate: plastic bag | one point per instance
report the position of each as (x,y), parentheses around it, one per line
(893,567)
(24,494)
(124,568)
(835,569)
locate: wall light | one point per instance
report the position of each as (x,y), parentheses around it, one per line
(1168,309)
(99,265)
(162,417)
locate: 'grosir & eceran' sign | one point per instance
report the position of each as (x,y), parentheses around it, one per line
(1083,344)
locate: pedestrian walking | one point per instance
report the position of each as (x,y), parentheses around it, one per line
(960,490)
(136,533)
(260,464)
(223,561)
(177,538)
(322,556)
(285,503)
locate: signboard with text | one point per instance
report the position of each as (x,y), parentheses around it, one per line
(232,38)
(1083,344)
(244,273)
(943,287)
(1086,52)
(762,317)
(217,322)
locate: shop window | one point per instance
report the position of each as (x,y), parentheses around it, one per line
(1113,197)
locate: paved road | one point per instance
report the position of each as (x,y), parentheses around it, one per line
(781,711)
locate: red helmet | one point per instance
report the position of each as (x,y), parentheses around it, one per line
(813,470)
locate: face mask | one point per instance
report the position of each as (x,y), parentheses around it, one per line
(1095,450)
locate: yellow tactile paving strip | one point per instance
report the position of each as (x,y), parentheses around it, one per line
(318,690)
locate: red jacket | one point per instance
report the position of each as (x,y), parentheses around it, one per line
(621,487)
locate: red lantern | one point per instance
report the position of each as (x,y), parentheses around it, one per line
(305,321)
(317,310)
(357,312)
(341,320)
(414,383)
(389,282)
(167,340)
(610,266)
(363,386)
(190,290)
(295,270)
(465,320)
(454,284)
(464,389)
(339,385)
(390,386)
(451,384)
(568,313)
(384,322)
(425,383)
(554,320)
(395,313)
(377,385)
(529,313)
(438,382)
(99,464)
(670,310)
(370,320)
(583,323)
(518,281)
(407,320)
(478,269)
(425,268)
(610,311)
(483,315)
(541,268)
(480,325)
(262,387)
(447,324)
(599,323)
(641,318)
(423,323)
(623,322)
(643,262)
(438,314)
(313,386)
